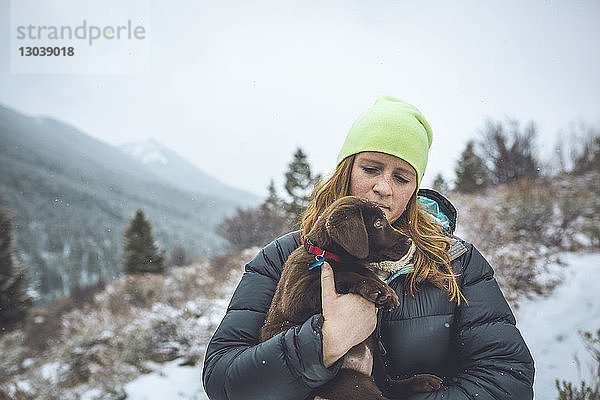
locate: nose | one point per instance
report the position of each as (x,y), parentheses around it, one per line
(383,186)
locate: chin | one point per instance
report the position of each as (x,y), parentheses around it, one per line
(389,216)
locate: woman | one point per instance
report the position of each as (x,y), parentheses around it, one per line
(453,321)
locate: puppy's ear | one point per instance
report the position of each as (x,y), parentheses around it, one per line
(346,227)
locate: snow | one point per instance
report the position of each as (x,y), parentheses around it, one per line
(24,386)
(171,382)
(28,362)
(550,325)
(50,371)
(92,394)
(147,152)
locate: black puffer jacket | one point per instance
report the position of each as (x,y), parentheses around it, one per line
(475,347)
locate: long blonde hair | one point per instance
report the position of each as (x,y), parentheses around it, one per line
(430,260)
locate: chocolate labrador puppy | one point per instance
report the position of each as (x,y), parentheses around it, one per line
(349,234)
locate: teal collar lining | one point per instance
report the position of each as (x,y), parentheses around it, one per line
(433,209)
(407,269)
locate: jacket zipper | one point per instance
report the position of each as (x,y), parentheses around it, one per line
(382,349)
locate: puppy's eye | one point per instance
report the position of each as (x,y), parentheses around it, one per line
(378,224)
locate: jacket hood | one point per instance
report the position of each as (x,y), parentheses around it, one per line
(438,207)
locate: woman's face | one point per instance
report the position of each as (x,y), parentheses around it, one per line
(386,180)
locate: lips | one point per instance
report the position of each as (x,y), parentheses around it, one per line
(381,206)
(385,210)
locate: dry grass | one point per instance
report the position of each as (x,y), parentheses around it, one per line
(103,337)
(521,227)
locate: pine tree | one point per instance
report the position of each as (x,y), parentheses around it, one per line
(472,174)
(273,204)
(299,184)
(140,251)
(439,184)
(274,218)
(14,299)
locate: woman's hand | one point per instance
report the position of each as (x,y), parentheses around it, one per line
(349,319)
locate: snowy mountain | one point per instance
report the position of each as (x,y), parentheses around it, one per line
(170,167)
(72,197)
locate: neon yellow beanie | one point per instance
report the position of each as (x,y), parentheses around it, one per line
(393,127)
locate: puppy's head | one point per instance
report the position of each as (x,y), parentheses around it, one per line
(362,230)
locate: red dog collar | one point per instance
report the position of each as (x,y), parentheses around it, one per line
(315,250)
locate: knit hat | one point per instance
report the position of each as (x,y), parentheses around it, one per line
(393,127)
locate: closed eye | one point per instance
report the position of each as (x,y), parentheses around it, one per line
(401,179)
(370,170)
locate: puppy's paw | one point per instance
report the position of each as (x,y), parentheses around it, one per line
(387,299)
(425,383)
(379,293)
(370,289)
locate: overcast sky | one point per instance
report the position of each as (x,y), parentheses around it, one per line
(235,86)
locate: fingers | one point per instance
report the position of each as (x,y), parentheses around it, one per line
(327,283)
